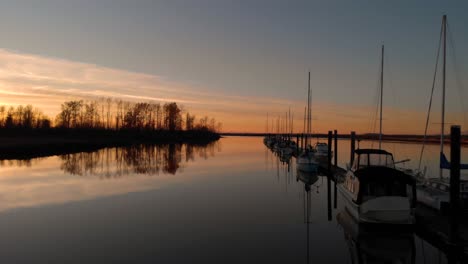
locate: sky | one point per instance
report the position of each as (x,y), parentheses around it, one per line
(239,60)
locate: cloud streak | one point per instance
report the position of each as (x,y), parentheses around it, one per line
(46,82)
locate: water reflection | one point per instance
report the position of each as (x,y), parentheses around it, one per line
(309,180)
(376,246)
(136,159)
(19,163)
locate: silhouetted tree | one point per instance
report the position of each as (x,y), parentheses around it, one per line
(172,117)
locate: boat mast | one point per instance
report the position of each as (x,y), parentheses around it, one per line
(305,117)
(381,97)
(308,112)
(444,28)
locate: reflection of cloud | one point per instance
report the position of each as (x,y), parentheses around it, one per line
(44,182)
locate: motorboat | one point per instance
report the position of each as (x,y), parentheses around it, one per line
(375,191)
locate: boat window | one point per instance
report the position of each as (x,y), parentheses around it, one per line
(363,160)
(381,160)
(443,188)
(378,189)
(434,185)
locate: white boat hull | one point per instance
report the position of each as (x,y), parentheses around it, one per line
(431,199)
(380,210)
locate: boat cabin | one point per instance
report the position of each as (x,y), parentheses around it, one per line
(364,158)
(374,182)
(373,175)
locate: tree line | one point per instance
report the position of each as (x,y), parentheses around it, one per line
(108,114)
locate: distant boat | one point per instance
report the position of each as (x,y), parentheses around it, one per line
(435,191)
(375,192)
(321,149)
(306,160)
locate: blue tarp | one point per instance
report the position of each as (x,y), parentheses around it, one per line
(445,164)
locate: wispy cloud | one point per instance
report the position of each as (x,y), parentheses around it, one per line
(46,82)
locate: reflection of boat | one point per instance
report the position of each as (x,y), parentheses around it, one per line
(376,246)
(375,192)
(306,177)
(285,157)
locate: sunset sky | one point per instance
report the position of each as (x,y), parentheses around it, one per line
(239,60)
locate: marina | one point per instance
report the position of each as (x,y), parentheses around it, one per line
(234,132)
(445,227)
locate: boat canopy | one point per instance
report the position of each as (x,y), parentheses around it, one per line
(445,164)
(384,181)
(372,158)
(371,151)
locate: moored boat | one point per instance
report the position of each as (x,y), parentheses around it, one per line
(375,192)
(434,190)
(321,149)
(306,161)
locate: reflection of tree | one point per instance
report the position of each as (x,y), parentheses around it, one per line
(136,159)
(172,158)
(18,163)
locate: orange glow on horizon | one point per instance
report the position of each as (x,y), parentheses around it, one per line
(47,82)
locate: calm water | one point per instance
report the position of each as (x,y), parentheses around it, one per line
(230,202)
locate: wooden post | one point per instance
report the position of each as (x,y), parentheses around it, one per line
(329,175)
(302,142)
(454,181)
(329,158)
(335,145)
(297,143)
(353,147)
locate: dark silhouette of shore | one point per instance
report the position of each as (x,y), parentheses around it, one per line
(25,132)
(21,144)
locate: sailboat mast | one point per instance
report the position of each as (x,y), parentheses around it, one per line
(444,26)
(308,111)
(305,117)
(381,97)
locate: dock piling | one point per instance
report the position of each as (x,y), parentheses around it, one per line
(335,145)
(454,181)
(353,147)
(297,143)
(329,174)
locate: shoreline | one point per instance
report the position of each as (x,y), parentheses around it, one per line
(24,146)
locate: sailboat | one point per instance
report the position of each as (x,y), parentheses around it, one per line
(434,191)
(374,191)
(306,161)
